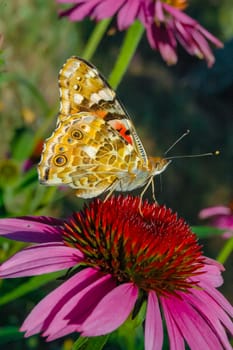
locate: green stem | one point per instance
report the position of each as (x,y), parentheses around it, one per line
(95,38)
(128,49)
(226,251)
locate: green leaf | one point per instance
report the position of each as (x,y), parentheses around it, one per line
(33,284)
(9,334)
(93,343)
(207,231)
(128,49)
(23,146)
(226,251)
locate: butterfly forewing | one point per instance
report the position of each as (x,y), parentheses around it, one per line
(94,147)
(83,88)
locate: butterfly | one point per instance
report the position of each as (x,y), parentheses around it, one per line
(94,147)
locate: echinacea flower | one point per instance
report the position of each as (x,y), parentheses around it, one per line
(166,25)
(118,257)
(164,20)
(219,216)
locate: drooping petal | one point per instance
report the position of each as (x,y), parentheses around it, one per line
(153,324)
(31,229)
(180,15)
(40,259)
(81,10)
(212,274)
(213,211)
(159,13)
(128,13)
(212,312)
(176,339)
(162,39)
(107,8)
(218,297)
(43,314)
(79,307)
(194,328)
(203,47)
(111,311)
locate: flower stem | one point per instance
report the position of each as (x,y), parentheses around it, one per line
(130,44)
(95,38)
(226,251)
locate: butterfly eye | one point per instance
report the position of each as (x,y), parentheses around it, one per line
(60,160)
(77,134)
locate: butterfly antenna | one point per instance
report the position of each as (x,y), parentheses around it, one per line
(215,153)
(178,140)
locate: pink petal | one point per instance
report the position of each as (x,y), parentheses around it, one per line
(43,314)
(185,39)
(219,298)
(180,15)
(69,1)
(212,275)
(175,337)
(210,37)
(203,47)
(153,325)
(127,14)
(153,40)
(111,311)
(159,14)
(223,222)
(73,313)
(195,329)
(162,38)
(212,211)
(40,259)
(212,312)
(107,8)
(31,229)
(81,10)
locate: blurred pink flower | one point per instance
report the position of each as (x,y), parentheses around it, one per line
(165,23)
(220,217)
(118,257)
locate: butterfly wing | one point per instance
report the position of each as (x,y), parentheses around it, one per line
(84,89)
(86,153)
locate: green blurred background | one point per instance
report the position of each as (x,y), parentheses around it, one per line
(162,101)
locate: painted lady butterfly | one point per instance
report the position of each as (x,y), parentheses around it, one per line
(94,147)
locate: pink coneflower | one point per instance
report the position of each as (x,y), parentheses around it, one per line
(164,20)
(118,257)
(167,24)
(220,217)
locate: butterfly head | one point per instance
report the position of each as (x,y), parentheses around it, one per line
(157,164)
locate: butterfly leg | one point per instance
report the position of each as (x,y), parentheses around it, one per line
(150,182)
(111,189)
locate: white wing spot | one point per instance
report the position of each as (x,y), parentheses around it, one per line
(91,151)
(107,94)
(91,73)
(78,98)
(64,93)
(68,72)
(65,106)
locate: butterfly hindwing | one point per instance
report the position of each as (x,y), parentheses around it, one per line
(86,153)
